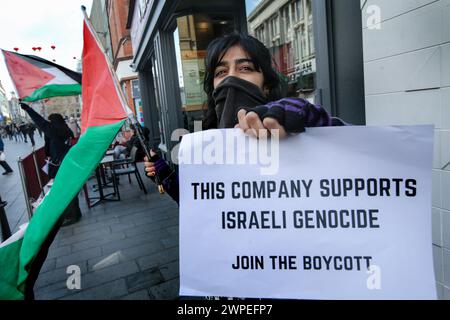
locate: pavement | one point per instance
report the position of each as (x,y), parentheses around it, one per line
(125,249)
(11,186)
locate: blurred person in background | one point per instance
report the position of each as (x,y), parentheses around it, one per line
(57,143)
(3,162)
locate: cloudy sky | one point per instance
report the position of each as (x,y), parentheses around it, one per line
(25,24)
(251,4)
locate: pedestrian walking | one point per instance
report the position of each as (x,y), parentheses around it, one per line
(3,162)
(30,128)
(23,131)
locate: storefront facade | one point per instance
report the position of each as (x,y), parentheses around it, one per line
(169,41)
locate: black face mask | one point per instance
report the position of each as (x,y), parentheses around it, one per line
(231,95)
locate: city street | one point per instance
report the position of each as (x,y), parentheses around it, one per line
(125,250)
(11,186)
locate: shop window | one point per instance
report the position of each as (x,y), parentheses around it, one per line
(136,95)
(286,20)
(304,51)
(260,34)
(143,5)
(293,15)
(191,38)
(306,82)
(309,10)
(311,39)
(299,14)
(274,28)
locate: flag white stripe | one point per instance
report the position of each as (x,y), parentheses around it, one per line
(60,77)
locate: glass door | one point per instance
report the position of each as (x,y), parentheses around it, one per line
(191,37)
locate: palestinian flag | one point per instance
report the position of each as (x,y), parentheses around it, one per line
(36,78)
(104,113)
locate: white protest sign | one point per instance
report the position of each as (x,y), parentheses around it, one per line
(346,215)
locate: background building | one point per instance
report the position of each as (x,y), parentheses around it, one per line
(17,114)
(286,28)
(169,40)
(69,106)
(366,61)
(100,22)
(122,53)
(4,110)
(407,82)
(110,20)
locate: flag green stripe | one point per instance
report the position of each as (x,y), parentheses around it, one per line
(76,168)
(9,266)
(54,90)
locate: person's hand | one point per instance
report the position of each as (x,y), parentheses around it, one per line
(252,125)
(157,167)
(150,166)
(288,115)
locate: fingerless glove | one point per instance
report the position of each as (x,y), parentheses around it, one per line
(294,114)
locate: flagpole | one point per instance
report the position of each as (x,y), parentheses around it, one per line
(119,91)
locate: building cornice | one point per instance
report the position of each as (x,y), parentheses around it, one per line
(260,7)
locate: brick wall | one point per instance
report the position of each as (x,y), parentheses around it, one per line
(118,14)
(407,81)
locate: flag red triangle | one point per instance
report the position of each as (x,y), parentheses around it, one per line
(101,101)
(26,77)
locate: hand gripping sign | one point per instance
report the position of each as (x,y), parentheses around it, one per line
(343,213)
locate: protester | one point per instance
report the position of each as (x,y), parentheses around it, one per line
(240,84)
(3,163)
(57,143)
(30,128)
